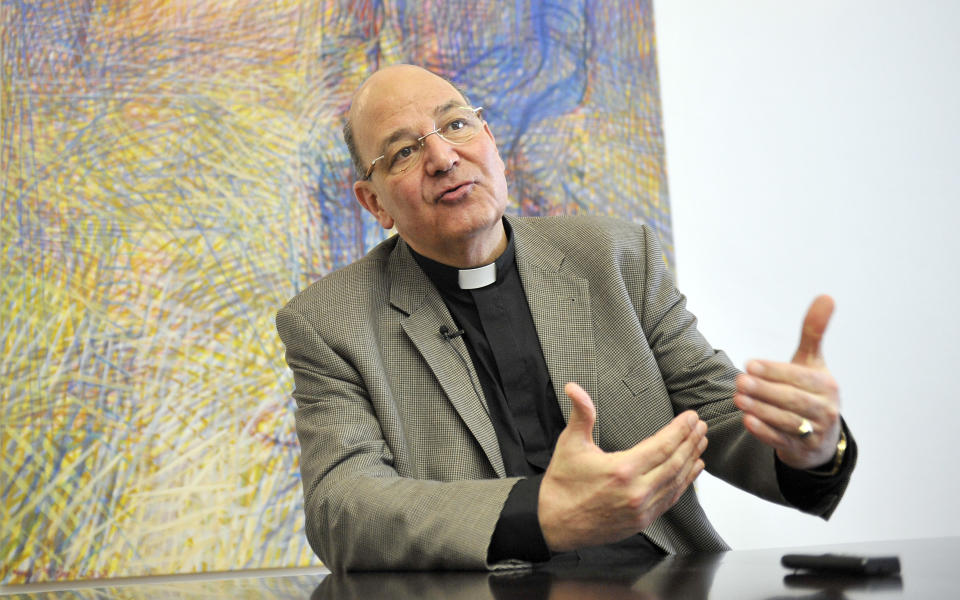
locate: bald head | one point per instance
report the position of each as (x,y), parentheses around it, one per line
(389,87)
(450,205)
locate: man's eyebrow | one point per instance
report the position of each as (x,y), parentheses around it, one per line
(406,132)
(447,106)
(399,134)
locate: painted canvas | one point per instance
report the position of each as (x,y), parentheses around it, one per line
(172,173)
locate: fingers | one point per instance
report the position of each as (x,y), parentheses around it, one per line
(691,475)
(815,380)
(775,408)
(814,325)
(783,437)
(659,469)
(661,446)
(776,398)
(807,392)
(674,474)
(665,496)
(651,484)
(773,417)
(590,497)
(770,436)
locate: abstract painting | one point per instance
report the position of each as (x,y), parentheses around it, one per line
(172,173)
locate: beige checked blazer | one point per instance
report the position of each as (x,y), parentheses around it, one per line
(400,463)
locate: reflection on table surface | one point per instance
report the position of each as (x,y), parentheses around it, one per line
(928,568)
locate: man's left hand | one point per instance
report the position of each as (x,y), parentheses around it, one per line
(776,398)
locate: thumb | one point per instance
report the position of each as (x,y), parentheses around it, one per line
(583,414)
(814,325)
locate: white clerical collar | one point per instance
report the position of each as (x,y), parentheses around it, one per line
(471,279)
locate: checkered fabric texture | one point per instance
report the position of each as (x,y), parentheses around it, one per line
(400,462)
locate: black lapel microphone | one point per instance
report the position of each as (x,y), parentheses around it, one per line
(449,335)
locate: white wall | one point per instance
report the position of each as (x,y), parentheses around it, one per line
(815,147)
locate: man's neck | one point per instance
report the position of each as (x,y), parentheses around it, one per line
(476,253)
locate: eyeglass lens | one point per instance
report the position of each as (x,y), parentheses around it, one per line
(457,126)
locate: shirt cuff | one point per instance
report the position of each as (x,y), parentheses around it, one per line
(517,534)
(810,491)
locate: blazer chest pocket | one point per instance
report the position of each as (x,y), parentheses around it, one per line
(650,408)
(636,383)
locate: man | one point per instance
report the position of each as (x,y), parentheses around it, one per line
(482,391)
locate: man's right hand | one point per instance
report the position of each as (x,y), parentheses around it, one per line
(589,497)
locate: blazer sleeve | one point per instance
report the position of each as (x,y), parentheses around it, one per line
(701,378)
(361,514)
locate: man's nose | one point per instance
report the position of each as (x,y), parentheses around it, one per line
(439,155)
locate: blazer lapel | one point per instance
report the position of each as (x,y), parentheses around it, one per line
(560,304)
(413,293)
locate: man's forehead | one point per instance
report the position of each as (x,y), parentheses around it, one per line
(379,103)
(385,113)
(391,101)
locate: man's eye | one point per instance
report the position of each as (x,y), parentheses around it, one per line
(456,125)
(402,154)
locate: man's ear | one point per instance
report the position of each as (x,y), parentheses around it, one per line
(486,129)
(367,197)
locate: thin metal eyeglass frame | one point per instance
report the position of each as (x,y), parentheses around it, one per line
(420,139)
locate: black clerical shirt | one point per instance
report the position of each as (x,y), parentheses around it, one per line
(503,344)
(495,322)
(502,340)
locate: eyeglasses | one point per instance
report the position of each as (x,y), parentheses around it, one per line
(457,126)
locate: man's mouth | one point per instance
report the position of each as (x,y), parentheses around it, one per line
(455,193)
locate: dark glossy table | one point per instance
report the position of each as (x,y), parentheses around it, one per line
(930,570)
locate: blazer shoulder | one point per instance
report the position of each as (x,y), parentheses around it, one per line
(610,230)
(589,238)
